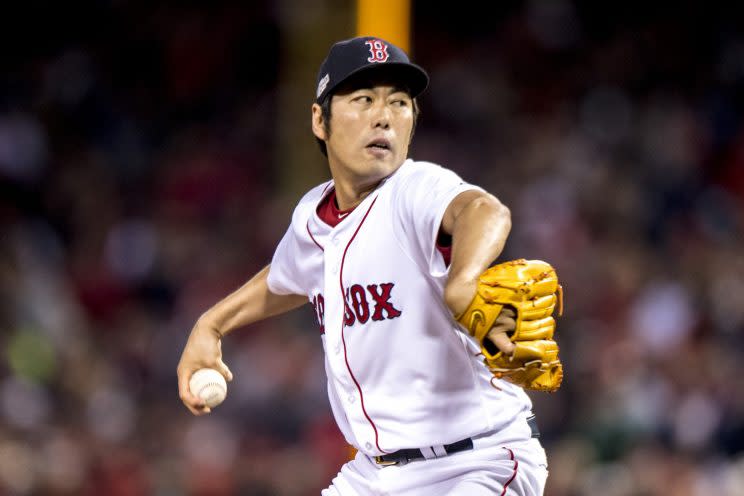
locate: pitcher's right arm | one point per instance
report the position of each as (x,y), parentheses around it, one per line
(250,303)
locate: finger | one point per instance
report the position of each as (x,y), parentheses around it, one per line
(502,341)
(224,370)
(505,323)
(184,391)
(196,405)
(507,312)
(199,411)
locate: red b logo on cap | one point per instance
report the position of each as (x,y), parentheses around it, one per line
(378,50)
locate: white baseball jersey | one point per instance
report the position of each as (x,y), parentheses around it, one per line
(401,373)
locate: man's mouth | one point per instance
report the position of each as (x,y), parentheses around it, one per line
(379,144)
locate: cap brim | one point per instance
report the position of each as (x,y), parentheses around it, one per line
(410,75)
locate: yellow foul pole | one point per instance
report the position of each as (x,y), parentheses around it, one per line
(387,19)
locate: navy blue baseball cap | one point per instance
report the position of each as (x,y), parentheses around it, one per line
(366,54)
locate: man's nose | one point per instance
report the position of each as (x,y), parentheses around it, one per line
(381,116)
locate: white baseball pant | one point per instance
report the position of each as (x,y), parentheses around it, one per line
(516,469)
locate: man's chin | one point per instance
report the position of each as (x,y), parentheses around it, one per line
(377,170)
(379,153)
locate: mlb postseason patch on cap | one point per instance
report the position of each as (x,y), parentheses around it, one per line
(322,84)
(357,55)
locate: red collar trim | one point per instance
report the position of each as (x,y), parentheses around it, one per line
(329,212)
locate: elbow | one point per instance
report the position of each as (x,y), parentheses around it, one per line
(503,213)
(490,207)
(505,216)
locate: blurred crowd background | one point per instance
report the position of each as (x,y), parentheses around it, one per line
(150,156)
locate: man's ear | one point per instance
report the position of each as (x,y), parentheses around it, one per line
(318,124)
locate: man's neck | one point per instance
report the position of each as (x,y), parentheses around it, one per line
(349,195)
(352,189)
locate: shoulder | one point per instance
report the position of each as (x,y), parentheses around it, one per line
(421,168)
(309,202)
(416,175)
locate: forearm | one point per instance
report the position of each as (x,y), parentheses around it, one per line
(250,303)
(479,232)
(478,237)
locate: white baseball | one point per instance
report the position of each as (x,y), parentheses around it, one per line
(209,385)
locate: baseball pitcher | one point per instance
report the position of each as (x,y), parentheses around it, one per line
(428,351)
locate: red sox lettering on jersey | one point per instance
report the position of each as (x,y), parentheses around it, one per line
(376,282)
(358,307)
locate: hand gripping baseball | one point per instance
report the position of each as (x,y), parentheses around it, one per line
(202,350)
(530,288)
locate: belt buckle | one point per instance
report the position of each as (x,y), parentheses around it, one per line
(385,463)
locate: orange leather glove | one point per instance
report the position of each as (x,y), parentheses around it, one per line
(531,289)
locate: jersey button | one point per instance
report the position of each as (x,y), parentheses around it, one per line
(335,241)
(352,398)
(368,446)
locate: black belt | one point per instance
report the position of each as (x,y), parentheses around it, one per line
(401,457)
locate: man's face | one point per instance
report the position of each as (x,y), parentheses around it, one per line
(370,130)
